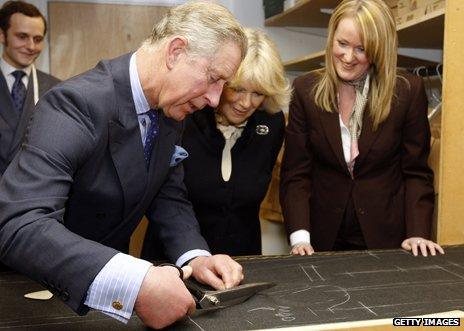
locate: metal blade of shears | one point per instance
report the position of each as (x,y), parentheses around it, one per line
(207,298)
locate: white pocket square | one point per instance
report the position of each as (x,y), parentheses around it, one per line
(179,155)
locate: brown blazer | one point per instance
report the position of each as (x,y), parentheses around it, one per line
(392,189)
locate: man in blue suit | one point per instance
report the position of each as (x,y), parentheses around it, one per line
(22,34)
(101,152)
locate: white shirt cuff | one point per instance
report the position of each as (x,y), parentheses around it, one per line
(300,236)
(116,287)
(190,255)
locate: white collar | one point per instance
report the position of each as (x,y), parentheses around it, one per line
(140,101)
(7,68)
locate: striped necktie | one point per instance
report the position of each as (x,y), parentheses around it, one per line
(18,91)
(151,134)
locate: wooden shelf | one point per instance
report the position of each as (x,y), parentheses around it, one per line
(423,32)
(405,61)
(316,61)
(306,13)
(306,63)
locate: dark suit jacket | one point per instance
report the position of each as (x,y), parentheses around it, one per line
(75,192)
(392,189)
(12,124)
(228,211)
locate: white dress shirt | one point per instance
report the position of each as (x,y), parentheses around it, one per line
(7,70)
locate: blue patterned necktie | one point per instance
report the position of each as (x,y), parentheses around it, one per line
(151,134)
(18,92)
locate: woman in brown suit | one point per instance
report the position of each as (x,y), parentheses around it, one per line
(354,173)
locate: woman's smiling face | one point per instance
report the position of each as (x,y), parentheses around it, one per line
(349,56)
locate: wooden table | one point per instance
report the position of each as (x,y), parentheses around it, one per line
(323,288)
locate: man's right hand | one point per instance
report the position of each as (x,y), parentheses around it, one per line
(163,297)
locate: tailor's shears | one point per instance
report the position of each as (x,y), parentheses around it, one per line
(207,298)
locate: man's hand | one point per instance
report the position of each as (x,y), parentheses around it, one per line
(163,297)
(218,271)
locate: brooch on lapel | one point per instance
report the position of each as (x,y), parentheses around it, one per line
(262,130)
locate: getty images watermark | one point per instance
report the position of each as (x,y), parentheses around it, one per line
(426,321)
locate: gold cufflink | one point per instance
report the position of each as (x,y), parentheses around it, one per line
(117,305)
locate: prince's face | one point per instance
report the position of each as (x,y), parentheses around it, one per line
(195,83)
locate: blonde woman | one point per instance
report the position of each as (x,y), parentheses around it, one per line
(232,150)
(354,172)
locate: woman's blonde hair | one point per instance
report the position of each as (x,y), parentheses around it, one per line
(380,42)
(262,68)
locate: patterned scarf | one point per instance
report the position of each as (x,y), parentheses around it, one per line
(361,87)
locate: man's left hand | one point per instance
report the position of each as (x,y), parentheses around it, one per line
(218,271)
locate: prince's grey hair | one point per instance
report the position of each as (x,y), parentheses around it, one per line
(207,26)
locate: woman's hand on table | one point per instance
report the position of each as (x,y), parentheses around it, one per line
(415,244)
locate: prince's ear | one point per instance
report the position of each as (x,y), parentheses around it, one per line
(175,48)
(178,156)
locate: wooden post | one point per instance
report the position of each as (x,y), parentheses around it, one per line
(450,229)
